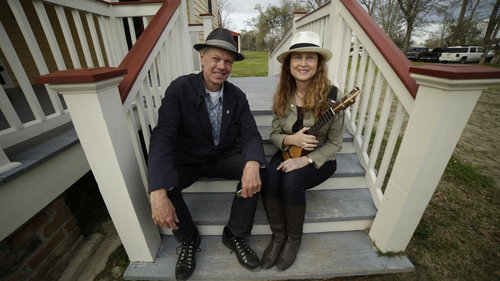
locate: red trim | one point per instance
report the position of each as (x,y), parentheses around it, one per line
(195,24)
(456,72)
(396,59)
(202,15)
(133,2)
(138,2)
(139,53)
(84,75)
(317,9)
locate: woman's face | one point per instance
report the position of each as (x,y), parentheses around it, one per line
(303,66)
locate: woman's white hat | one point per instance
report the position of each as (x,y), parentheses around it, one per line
(306,41)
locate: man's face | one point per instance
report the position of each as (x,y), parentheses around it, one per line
(216,64)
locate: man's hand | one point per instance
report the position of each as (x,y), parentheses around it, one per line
(163,211)
(250,181)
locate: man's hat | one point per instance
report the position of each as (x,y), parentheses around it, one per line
(221,38)
(306,41)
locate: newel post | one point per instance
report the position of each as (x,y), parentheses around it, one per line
(94,103)
(445,99)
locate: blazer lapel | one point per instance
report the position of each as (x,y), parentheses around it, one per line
(202,110)
(227,113)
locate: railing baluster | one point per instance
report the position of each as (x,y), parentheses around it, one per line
(136,143)
(365,98)
(354,64)
(151,108)
(104,27)
(36,53)
(139,102)
(391,144)
(121,41)
(359,81)
(382,123)
(371,115)
(344,59)
(95,38)
(131,29)
(63,21)
(8,111)
(82,37)
(23,80)
(49,34)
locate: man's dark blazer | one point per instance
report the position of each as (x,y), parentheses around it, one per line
(183,134)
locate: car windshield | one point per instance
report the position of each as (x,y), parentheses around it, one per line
(456,50)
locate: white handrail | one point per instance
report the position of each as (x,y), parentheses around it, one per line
(96,39)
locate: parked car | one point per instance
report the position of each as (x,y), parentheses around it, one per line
(432,55)
(414,52)
(463,54)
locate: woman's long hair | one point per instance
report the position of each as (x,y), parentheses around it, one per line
(315,98)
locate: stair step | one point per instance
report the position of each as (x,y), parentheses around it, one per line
(347,175)
(327,210)
(321,255)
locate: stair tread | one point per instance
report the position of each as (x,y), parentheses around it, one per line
(322,255)
(39,149)
(322,206)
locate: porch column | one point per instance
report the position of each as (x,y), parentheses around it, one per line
(207,24)
(94,103)
(445,99)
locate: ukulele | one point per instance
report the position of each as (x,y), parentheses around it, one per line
(348,100)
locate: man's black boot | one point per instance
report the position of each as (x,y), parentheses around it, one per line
(246,256)
(186,261)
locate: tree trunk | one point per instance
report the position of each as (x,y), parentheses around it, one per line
(491,30)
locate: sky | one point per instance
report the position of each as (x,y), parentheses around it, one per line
(243,10)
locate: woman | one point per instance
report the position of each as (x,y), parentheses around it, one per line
(301,98)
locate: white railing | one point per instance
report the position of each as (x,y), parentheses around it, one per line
(398,140)
(59,35)
(115,132)
(170,58)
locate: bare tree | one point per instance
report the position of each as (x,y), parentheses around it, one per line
(491,30)
(388,15)
(370,6)
(313,4)
(416,13)
(225,9)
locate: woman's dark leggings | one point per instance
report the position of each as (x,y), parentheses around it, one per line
(291,187)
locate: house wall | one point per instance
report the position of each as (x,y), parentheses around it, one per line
(15,36)
(42,248)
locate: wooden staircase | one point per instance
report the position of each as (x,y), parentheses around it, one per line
(338,214)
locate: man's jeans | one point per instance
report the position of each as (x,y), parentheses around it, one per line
(242,209)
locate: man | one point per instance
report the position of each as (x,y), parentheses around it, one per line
(205,129)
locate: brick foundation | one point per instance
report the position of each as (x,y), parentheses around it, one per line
(41,248)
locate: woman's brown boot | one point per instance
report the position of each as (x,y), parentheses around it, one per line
(294,222)
(274,212)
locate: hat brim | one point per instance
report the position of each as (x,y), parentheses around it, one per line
(325,53)
(237,56)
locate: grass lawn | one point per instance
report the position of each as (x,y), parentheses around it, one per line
(254,65)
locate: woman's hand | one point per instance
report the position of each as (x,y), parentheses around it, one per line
(293,164)
(305,141)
